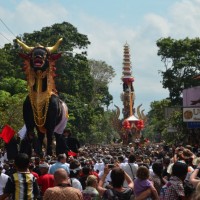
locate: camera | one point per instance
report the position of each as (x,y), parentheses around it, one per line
(110,166)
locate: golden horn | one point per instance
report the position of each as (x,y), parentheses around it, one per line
(144,116)
(24,46)
(118,111)
(138,111)
(55,47)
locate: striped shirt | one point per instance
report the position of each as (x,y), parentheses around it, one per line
(22,186)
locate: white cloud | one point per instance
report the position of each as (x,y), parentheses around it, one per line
(185,19)
(182,19)
(106,40)
(156,25)
(29,16)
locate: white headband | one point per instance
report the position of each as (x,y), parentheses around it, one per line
(76,169)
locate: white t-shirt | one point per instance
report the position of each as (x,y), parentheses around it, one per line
(3,181)
(99,166)
(107,179)
(127,168)
(5,157)
(2,160)
(75,183)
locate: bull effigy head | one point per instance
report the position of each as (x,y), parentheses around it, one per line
(39,55)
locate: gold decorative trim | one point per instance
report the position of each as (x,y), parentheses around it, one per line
(39,99)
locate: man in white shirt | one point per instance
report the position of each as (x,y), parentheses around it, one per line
(99,166)
(3,180)
(107,179)
(121,161)
(2,157)
(130,168)
(131,148)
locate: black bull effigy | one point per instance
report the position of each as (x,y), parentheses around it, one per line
(42,108)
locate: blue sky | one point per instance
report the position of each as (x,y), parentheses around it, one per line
(109,24)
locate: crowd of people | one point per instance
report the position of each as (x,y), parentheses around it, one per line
(95,172)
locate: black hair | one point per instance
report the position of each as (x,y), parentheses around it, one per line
(67,131)
(22,161)
(166,160)
(121,158)
(86,170)
(117,176)
(157,168)
(179,169)
(73,165)
(132,158)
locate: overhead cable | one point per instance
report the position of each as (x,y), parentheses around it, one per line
(7,28)
(5,37)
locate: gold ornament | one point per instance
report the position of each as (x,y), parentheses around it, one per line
(39,99)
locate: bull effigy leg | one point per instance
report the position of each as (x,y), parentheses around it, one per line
(51,121)
(40,142)
(59,144)
(26,143)
(28,115)
(49,143)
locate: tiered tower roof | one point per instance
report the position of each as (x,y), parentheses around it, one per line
(127,78)
(127,72)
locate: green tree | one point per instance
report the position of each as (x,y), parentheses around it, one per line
(182,62)
(13,86)
(9,62)
(156,123)
(102,128)
(179,135)
(102,74)
(11,109)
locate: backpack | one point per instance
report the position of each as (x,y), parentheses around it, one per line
(86,196)
(188,188)
(111,194)
(90,197)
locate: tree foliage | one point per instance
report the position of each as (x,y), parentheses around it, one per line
(179,135)
(161,127)
(13,86)
(103,75)
(181,60)
(156,123)
(11,109)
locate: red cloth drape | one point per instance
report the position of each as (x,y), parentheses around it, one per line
(7,133)
(71,153)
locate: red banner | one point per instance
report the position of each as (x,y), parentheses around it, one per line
(7,133)
(71,153)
